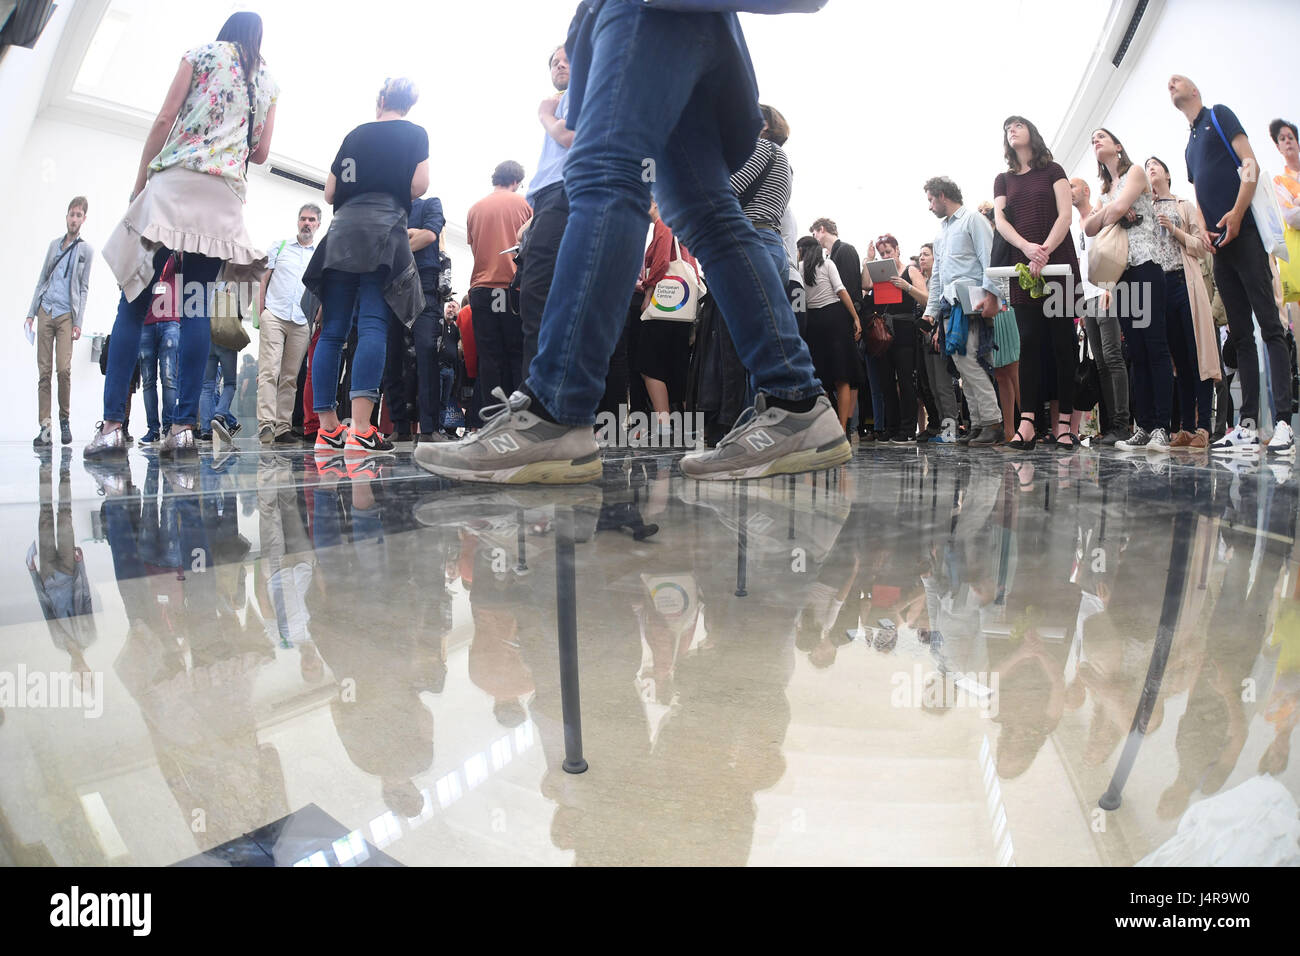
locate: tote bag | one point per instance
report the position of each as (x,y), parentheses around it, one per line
(676,297)
(1108,256)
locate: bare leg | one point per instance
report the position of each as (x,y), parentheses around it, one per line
(844,397)
(658,392)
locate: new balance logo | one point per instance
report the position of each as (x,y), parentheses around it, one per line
(503,444)
(759,440)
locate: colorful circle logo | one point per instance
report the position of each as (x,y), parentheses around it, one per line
(671,294)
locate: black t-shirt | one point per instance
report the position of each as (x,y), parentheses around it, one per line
(379,157)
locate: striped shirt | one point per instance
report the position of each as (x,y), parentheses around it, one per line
(768,202)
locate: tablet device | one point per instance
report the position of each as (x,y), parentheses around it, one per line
(882,270)
(971,298)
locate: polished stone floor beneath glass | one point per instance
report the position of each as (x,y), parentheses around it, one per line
(928,656)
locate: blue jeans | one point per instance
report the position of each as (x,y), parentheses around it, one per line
(210,404)
(651,96)
(446,393)
(877,373)
(195,337)
(159,346)
(340,295)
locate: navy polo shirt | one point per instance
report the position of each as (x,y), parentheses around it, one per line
(1211,167)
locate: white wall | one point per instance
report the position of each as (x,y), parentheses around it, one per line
(60,159)
(1239,54)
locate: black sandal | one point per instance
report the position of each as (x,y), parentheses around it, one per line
(1020,444)
(1067,441)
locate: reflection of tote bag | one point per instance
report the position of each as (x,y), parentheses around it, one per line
(1268,215)
(676,297)
(1108,255)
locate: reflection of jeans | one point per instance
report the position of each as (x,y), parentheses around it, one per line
(195,337)
(159,344)
(341,292)
(218,356)
(653,96)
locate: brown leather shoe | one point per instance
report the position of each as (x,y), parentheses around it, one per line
(1199,441)
(1181,439)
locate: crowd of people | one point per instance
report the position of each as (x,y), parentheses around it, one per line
(586,295)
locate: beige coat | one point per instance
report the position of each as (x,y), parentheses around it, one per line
(1207,336)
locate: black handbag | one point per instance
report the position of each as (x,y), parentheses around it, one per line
(1087,380)
(1002,252)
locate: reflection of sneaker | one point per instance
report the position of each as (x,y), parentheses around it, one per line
(113,477)
(1238,467)
(330,463)
(772,441)
(1139,439)
(1241,439)
(1282,442)
(1281,471)
(514,446)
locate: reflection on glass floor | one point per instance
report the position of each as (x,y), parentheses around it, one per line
(926,656)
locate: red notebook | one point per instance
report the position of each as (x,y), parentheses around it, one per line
(886,293)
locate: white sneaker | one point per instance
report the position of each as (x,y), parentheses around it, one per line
(1159,440)
(1283,441)
(1240,439)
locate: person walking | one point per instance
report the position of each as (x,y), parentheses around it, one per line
(188,199)
(642,102)
(54,319)
(282,329)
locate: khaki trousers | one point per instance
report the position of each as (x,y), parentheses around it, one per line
(281,347)
(53,345)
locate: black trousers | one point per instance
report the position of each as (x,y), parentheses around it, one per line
(1033,325)
(399,381)
(428,389)
(537,263)
(899,362)
(499,339)
(1245,283)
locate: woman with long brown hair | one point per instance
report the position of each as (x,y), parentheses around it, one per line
(1032,211)
(188,202)
(1140,293)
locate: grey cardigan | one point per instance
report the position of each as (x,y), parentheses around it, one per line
(78,277)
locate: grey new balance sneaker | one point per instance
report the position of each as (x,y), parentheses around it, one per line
(515,447)
(772,441)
